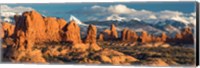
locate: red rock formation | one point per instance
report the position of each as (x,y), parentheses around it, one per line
(91,34)
(145,37)
(30,28)
(185,36)
(52,29)
(123,34)
(91,38)
(114,34)
(35,23)
(16,18)
(1,31)
(38,28)
(158,39)
(72,34)
(101,37)
(187,31)
(107,34)
(62,23)
(188,36)
(8,29)
(164,37)
(110,34)
(45,29)
(129,35)
(178,36)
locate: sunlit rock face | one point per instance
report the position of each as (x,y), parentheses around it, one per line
(110,34)
(72,33)
(91,34)
(7,29)
(129,35)
(30,28)
(185,36)
(114,34)
(91,38)
(101,37)
(145,37)
(52,29)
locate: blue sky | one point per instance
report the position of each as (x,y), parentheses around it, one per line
(105,11)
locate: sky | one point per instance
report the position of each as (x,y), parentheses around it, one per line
(148,11)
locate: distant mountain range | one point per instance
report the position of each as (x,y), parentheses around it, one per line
(171,27)
(168,26)
(154,26)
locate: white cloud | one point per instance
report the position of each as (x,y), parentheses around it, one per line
(120,9)
(131,13)
(11,11)
(193,14)
(166,14)
(97,7)
(116,12)
(152,17)
(178,18)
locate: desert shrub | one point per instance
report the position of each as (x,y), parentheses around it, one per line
(177,54)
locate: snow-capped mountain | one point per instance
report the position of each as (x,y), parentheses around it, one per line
(115,17)
(155,27)
(171,29)
(76,20)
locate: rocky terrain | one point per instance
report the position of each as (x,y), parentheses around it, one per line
(37,39)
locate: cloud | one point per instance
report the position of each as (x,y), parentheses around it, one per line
(193,14)
(114,12)
(11,11)
(121,11)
